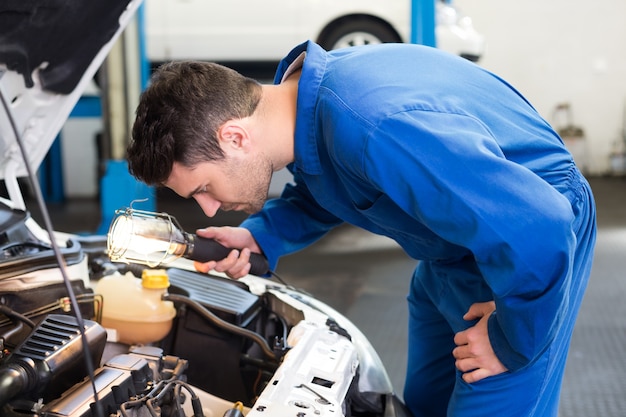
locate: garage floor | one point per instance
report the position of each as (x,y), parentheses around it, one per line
(366,278)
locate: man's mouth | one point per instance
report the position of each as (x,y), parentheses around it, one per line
(233,207)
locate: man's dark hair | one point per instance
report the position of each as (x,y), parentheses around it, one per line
(179,114)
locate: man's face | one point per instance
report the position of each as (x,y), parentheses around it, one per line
(229,184)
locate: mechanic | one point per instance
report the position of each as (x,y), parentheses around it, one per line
(415,144)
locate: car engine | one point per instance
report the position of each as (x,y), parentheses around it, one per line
(251,347)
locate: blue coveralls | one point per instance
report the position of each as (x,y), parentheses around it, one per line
(455,165)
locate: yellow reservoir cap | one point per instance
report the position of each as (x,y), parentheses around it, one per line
(155,279)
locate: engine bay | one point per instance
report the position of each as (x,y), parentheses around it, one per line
(250,347)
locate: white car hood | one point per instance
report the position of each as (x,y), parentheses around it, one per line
(49,52)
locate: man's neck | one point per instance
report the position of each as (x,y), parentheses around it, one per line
(276,118)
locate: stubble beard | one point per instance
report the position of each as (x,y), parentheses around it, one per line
(253,178)
(260,192)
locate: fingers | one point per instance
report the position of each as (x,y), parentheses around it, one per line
(461,339)
(231,237)
(476,375)
(476,362)
(477,367)
(204,267)
(468,363)
(235,265)
(478,310)
(468,350)
(471,355)
(474,354)
(210,232)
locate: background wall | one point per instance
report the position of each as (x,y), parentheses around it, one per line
(563,51)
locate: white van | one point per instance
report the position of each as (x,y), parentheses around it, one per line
(264,31)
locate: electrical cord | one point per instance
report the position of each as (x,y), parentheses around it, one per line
(14,316)
(282,281)
(289,286)
(153,399)
(177,384)
(208,315)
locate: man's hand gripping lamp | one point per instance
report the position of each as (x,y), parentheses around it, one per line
(154,239)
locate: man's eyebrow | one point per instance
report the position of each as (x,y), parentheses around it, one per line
(196,191)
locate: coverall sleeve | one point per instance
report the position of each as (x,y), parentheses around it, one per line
(289,223)
(456,180)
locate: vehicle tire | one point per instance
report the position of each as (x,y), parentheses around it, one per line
(357,31)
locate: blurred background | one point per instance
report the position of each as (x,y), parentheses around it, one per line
(567,57)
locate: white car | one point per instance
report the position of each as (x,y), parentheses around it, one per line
(264,31)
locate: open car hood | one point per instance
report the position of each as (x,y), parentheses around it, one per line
(49,52)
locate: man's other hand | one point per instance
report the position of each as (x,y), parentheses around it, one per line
(474,355)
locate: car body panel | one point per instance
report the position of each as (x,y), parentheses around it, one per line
(249,30)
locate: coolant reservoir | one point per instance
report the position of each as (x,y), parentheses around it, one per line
(133,307)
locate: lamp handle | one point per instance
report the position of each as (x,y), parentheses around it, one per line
(205,250)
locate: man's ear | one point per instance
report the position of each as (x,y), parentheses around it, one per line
(233,135)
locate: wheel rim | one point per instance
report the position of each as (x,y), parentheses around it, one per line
(356,39)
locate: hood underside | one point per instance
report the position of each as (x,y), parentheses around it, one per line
(50,51)
(59,37)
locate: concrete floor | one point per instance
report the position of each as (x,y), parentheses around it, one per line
(366,278)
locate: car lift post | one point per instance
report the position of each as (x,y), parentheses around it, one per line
(423,22)
(125,73)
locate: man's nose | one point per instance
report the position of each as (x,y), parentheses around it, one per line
(208,204)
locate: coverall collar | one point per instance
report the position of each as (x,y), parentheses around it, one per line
(313,67)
